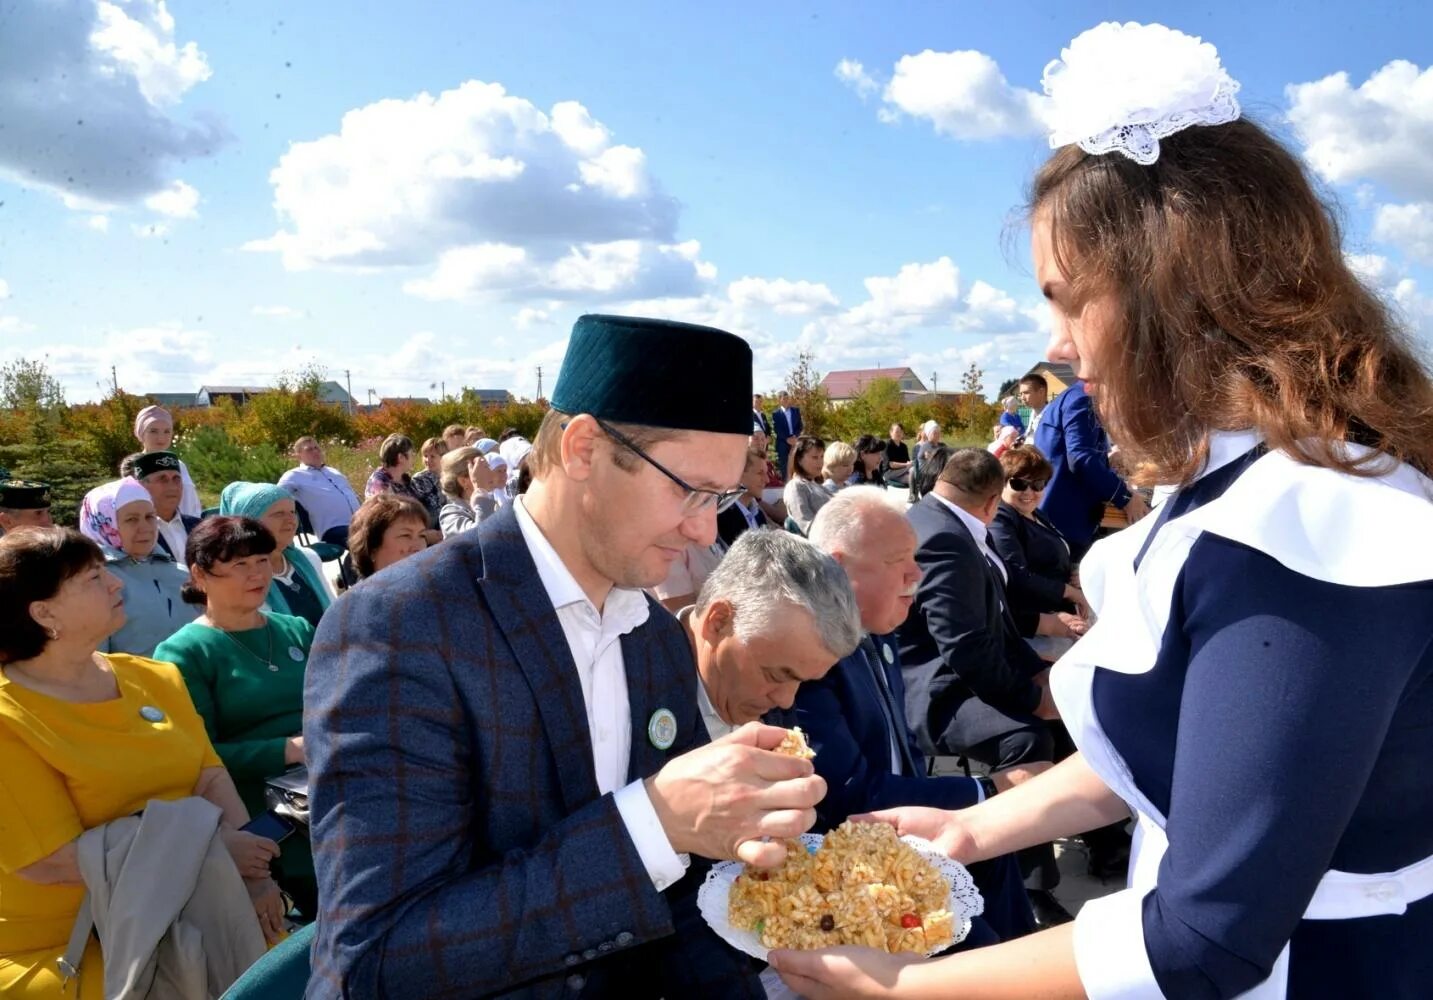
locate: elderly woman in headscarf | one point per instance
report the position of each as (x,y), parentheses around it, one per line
(300,587)
(514,451)
(154,428)
(120,517)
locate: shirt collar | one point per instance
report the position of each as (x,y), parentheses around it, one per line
(1226,446)
(977,528)
(717,727)
(563,590)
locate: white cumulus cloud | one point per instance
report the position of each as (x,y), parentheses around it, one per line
(788,298)
(139,38)
(99,223)
(495,195)
(854,75)
(1379,131)
(86,94)
(178,201)
(1408,227)
(963,94)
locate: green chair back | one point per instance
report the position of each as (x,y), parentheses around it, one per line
(282,974)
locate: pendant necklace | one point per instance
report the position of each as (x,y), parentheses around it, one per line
(267,661)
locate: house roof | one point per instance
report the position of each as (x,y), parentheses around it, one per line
(234,390)
(848,383)
(492,395)
(332,392)
(168,399)
(1065,373)
(392,400)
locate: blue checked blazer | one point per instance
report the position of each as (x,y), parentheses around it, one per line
(461,846)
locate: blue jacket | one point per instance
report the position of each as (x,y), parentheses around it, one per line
(153,609)
(1071,437)
(461,845)
(785,425)
(845,724)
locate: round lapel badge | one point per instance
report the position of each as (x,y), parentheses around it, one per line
(886,652)
(296,654)
(151,714)
(662,729)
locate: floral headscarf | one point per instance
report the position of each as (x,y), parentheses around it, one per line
(99,514)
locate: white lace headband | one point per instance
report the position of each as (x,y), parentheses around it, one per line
(1120,88)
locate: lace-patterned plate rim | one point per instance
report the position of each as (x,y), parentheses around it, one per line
(964,902)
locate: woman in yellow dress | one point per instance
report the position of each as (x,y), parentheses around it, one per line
(87,738)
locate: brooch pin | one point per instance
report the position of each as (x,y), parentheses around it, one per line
(662,729)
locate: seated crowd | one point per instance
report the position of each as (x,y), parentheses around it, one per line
(208,621)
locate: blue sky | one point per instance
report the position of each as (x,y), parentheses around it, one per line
(204,192)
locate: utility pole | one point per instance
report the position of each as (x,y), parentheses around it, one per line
(443,391)
(370,399)
(935,382)
(539,381)
(114,379)
(348,377)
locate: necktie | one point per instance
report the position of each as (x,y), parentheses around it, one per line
(895,714)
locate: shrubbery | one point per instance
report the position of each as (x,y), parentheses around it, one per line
(75,448)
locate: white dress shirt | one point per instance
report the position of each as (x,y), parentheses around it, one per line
(325,494)
(980,532)
(1035,416)
(175,535)
(594,639)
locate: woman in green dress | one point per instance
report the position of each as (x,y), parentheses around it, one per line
(244,667)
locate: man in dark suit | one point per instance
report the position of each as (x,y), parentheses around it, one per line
(158,472)
(758,415)
(787,427)
(973,686)
(749,511)
(854,716)
(1070,436)
(508,761)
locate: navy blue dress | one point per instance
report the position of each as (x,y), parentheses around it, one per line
(1284,731)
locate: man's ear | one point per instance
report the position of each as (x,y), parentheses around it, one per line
(717,621)
(579,446)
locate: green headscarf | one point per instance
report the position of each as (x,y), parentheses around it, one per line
(254,500)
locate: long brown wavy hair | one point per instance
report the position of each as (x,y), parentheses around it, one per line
(1234,309)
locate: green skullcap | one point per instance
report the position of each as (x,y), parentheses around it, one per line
(656,373)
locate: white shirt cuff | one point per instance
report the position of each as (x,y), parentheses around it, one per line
(979,792)
(1109,948)
(665,867)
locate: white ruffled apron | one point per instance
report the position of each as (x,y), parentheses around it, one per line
(1302,517)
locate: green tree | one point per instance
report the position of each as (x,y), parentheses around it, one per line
(36,399)
(803,385)
(291,410)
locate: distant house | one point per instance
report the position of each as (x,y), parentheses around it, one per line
(404,401)
(842,386)
(335,394)
(208,395)
(172,400)
(1058,376)
(488,397)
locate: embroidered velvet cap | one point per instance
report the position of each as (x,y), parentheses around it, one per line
(22,494)
(656,373)
(155,461)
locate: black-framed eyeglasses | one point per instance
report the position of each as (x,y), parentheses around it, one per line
(697,498)
(1021,485)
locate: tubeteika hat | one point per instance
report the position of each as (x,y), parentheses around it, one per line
(155,461)
(22,494)
(656,373)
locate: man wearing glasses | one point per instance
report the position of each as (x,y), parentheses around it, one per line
(510,769)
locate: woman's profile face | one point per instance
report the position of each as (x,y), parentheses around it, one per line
(1077,333)
(282,520)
